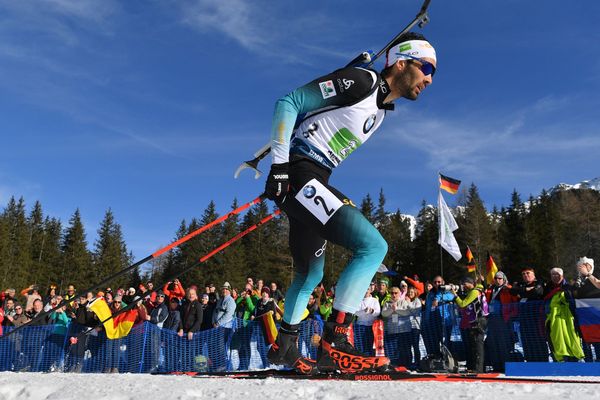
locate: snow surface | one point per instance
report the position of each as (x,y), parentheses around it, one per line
(59,386)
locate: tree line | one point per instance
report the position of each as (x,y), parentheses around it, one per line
(553,229)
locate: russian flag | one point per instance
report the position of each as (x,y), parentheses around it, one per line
(588,314)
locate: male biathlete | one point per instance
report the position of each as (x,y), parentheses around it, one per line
(315,128)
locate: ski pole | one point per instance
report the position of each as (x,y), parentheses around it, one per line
(147,258)
(194,265)
(365,59)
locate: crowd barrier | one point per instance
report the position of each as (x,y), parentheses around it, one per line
(515,332)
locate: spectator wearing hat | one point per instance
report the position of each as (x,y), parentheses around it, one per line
(473,323)
(223,318)
(587,286)
(367,313)
(264,306)
(174,318)
(530,292)
(213,294)
(245,306)
(160,312)
(208,309)
(502,311)
(382,293)
(438,317)
(564,341)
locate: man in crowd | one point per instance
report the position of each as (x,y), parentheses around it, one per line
(438,317)
(276,294)
(473,323)
(191,318)
(207,312)
(530,292)
(223,318)
(383,295)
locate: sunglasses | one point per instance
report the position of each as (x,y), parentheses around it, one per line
(426,67)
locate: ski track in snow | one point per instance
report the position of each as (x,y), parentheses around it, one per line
(38,386)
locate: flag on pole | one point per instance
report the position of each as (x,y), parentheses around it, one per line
(588,314)
(471,266)
(450,185)
(448,225)
(490,270)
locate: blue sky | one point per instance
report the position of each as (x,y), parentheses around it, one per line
(148,107)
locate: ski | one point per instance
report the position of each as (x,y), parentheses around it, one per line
(382,376)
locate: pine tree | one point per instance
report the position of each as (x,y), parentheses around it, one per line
(110,251)
(51,254)
(476,229)
(19,234)
(37,242)
(515,250)
(77,260)
(426,248)
(367,208)
(6,275)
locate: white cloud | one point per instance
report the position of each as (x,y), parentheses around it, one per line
(233,18)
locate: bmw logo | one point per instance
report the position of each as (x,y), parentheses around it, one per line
(309,191)
(369,123)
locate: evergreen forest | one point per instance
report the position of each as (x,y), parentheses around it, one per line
(552,229)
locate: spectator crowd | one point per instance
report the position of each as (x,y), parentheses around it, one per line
(409,320)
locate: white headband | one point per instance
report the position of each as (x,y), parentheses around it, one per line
(414,48)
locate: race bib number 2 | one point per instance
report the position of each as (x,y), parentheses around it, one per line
(319,200)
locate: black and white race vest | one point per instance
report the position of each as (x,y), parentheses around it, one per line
(329,136)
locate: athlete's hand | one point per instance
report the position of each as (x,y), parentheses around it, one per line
(277,182)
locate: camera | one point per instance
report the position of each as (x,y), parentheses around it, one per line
(449,287)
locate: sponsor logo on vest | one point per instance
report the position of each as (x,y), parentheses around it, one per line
(314,155)
(347,83)
(383,87)
(320,251)
(369,123)
(327,89)
(343,143)
(310,131)
(309,191)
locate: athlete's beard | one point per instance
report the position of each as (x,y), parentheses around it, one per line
(404,84)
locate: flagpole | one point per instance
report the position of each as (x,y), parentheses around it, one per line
(441,248)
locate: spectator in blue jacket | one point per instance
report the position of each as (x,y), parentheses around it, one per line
(438,316)
(222,318)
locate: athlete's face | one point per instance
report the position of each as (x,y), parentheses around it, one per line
(411,81)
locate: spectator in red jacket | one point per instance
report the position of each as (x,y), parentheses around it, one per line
(503,307)
(416,283)
(176,290)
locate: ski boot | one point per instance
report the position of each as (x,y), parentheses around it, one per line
(285,351)
(337,354)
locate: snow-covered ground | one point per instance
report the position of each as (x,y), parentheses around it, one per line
(26,386)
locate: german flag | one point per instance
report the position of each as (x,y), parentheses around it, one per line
(471,266)
(268,327)
(450,185)
(491,270)
(116,327)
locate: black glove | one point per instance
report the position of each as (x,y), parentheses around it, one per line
(277,182)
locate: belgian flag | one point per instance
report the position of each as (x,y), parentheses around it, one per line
(450,185)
